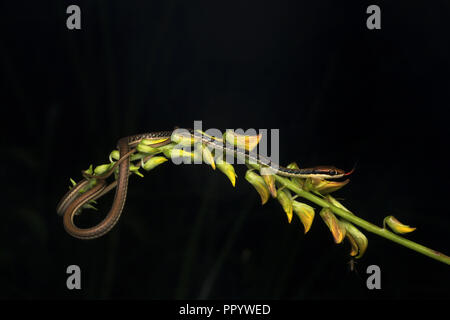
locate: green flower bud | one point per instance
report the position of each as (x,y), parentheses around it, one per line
(325,186)
(135,169)
(183,138)
(141,147)
(153,162)
(115,154)
(149,142)
(103,168)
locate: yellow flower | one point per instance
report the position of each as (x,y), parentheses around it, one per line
(228,170)
(356,238)
(337,229)
(285,199)
(152,163)
(207,156)
(325,186)
(242,141)
(305,213)
(258,182)
(396,225)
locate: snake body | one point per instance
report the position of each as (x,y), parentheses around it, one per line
(73,200)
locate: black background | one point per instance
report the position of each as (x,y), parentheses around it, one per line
(338,92)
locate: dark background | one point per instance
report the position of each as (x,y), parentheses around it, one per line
(338,92)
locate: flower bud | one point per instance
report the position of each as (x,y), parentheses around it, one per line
(102,168)
(269,180)
(336,203)
(115,154)
(258,182)
(337,229)
(89,170)
(183,137)
(326,186)
(396,225)
(356,238)
(178,153)
(305,213)
(285,199)
(149,142)
(298,181)
(242,141)
(207,156)
(141,147)
(153,162)
(228,170)
(135,169)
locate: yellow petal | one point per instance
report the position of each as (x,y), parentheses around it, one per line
(258,182)
(305,213)
(337,229)
(228,170)
(242,141)
(285,199)
(396,225)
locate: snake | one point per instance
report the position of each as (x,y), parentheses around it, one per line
(72,202)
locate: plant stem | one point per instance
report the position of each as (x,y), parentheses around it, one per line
(361,222)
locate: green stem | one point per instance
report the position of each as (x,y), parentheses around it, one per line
(361,222)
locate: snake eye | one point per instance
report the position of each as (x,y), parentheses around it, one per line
(333,172)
